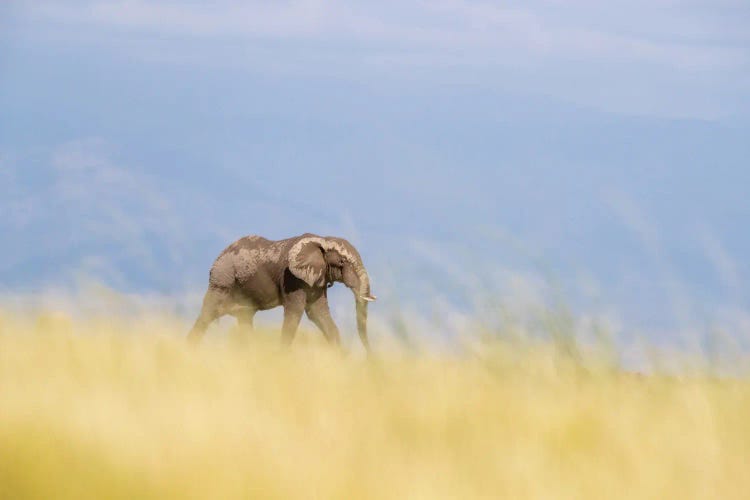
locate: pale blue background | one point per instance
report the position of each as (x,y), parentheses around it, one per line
(600,146)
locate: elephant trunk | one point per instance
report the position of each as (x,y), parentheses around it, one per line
(362,323)
(359,282)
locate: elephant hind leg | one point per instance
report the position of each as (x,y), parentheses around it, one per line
(215,304)
(244,326)
(245,317)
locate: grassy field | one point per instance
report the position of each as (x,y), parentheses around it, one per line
(99,408)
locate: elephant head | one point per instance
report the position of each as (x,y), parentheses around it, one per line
(322,261)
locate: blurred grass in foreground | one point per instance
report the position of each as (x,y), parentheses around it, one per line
(100,408)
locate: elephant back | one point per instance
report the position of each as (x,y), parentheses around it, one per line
(241,260)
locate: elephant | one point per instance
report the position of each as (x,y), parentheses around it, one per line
(255,274)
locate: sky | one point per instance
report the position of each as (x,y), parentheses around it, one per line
(596,147)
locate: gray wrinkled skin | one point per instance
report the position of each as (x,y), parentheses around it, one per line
(254,274)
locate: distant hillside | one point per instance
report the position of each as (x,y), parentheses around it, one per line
(636,212)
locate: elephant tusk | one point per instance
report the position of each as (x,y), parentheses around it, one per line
(369,298)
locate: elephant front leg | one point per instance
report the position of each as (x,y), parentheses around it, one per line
(294,306)
(320,314)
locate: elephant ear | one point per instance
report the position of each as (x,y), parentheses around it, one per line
(306,262)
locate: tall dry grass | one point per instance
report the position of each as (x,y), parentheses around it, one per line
(105,408)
